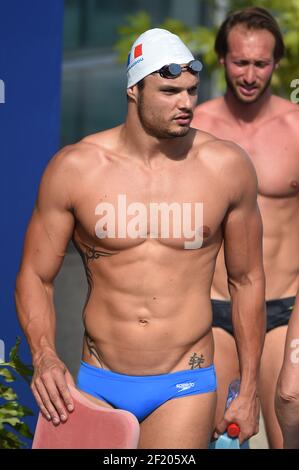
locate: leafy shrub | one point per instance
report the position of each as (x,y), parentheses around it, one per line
(12,426)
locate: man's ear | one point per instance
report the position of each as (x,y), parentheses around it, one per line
(276,65)
(221,60)
(132,92)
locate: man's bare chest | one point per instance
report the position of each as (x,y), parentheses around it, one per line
(274,154)
(119,210)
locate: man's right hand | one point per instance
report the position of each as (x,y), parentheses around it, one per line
(50,389)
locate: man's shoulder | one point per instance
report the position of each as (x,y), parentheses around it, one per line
(286,111)
(292,117)
(284,104)
(104,140)
(209,107)
(230,165)
(226,151)
(207,115)
(82,153)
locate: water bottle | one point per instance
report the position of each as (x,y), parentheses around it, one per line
(229,440)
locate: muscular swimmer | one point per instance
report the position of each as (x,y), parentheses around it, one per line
(148,204)
(249,45)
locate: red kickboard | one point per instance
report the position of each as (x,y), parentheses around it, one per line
(89,426)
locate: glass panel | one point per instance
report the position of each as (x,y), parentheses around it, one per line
(93,97)
(94,23)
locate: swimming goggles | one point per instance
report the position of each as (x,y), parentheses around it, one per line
(175,70)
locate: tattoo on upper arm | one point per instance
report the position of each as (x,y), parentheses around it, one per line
(195,361)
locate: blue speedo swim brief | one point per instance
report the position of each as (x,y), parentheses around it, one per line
(142,394)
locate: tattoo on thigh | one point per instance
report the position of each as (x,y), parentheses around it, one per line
(195,361)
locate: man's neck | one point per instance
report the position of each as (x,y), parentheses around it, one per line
(247,113)
(150,149)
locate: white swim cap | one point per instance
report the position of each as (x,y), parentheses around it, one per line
(152,50)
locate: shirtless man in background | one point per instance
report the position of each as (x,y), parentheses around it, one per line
(148,337)
(249,46)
